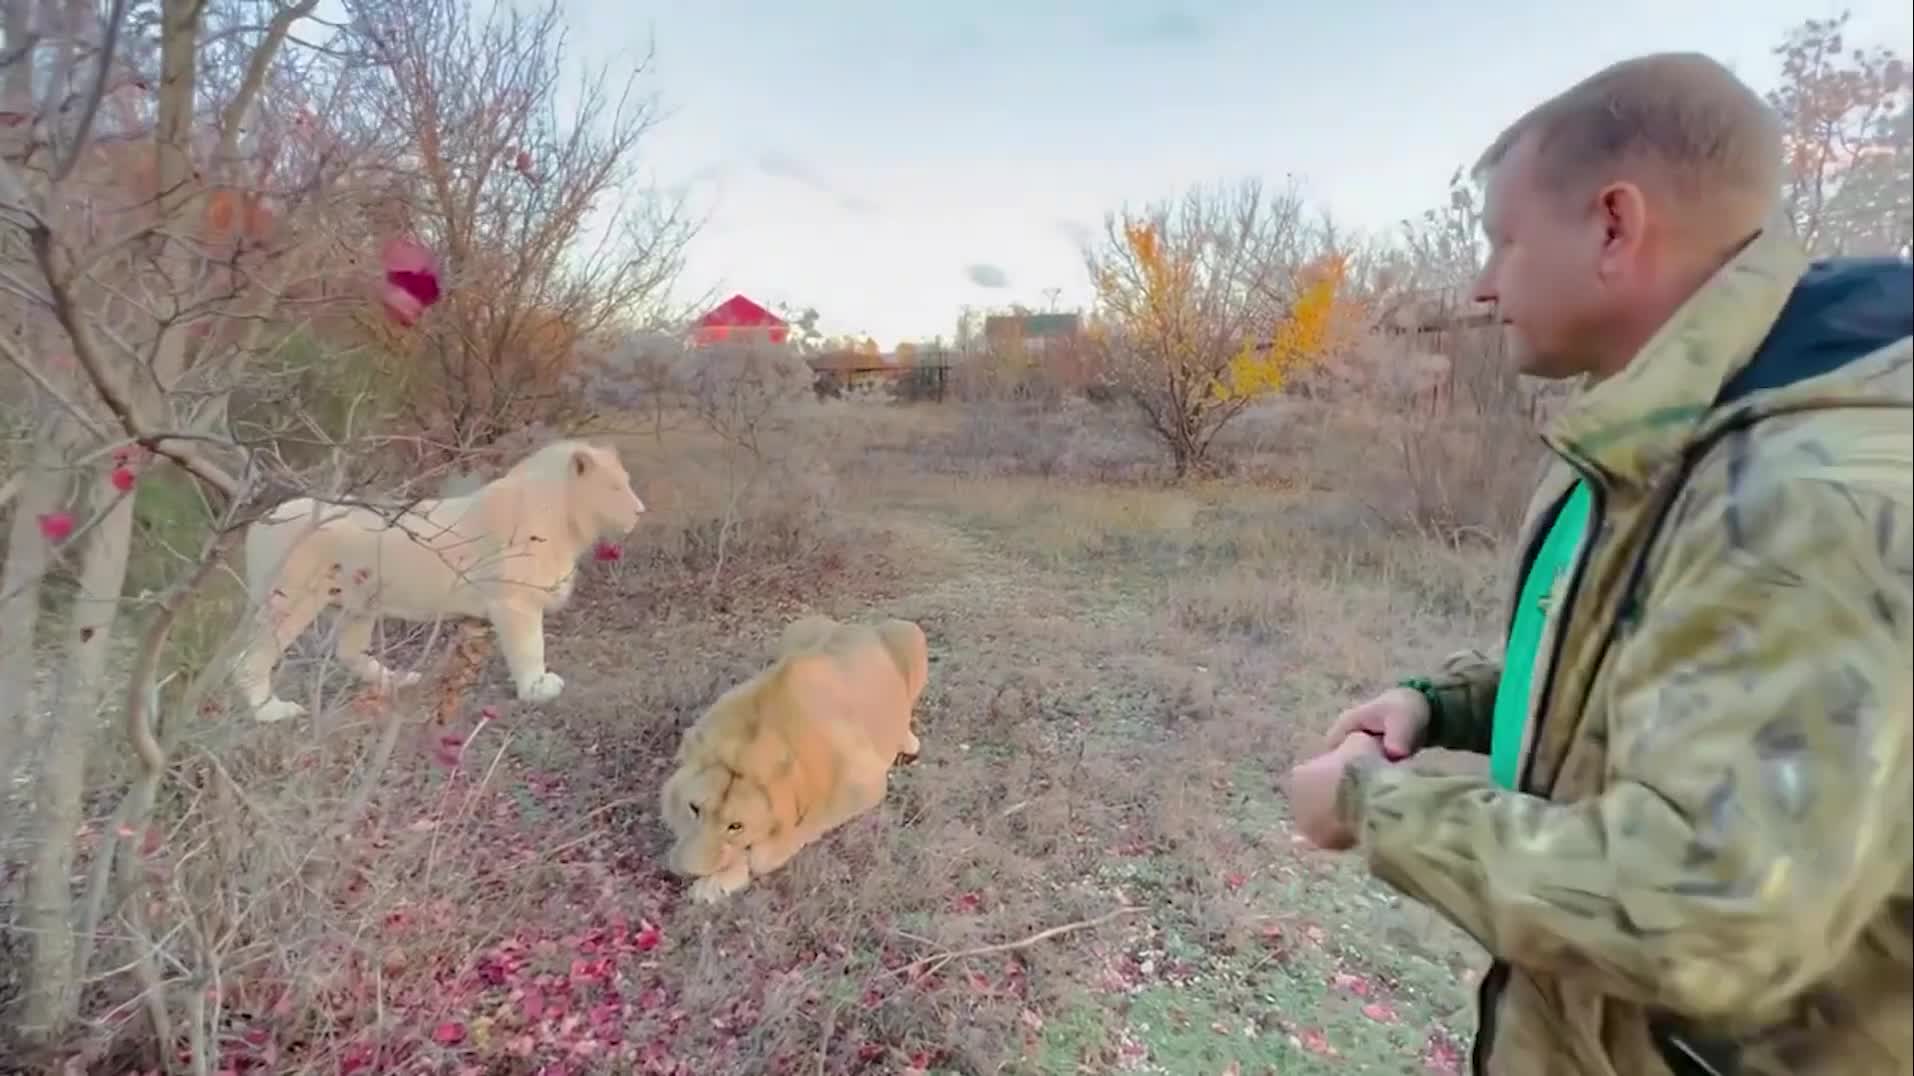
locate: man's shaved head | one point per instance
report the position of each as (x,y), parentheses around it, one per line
(1678,124)
(1609,204)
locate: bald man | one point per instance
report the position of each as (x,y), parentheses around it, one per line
(1692,848)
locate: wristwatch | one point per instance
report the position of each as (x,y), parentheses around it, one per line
(1421,685)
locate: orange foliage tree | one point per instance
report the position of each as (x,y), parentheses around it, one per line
(1206,305)
(1848,116)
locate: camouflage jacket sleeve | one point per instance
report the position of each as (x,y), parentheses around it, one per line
(1462,702)
(1757,804)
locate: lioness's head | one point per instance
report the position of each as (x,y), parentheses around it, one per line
(603,502)
(734,787)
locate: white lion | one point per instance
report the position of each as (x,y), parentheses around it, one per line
(506,552)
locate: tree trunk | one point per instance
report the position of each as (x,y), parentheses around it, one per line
(42,490)
(27,556)
(51,986)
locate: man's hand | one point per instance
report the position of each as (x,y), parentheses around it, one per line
(1400,716)
(1312,787)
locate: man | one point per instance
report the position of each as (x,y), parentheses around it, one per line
(1692,852)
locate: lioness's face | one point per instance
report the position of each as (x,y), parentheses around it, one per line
(607,488)
(715,815)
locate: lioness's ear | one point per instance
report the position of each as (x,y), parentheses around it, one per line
(581,461)
(689,743)
(909,650)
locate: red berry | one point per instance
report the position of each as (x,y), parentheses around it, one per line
(56,526)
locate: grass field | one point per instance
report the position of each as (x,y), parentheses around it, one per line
(1120,672)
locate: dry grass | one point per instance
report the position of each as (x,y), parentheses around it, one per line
(1120,670)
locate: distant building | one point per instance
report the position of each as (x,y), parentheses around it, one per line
(1051,343)
(1033,332)
(1434,310)
(919,373)
(738,320)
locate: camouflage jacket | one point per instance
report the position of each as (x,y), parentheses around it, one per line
(1706,866)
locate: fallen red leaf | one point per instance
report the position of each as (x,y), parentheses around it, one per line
(1379,1012)
(607,552)
(1353,984)
(1442,1054)
(1313,1040)
(1233,882)
(449,1033)
(648,936)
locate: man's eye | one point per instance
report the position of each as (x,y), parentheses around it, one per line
(735,827)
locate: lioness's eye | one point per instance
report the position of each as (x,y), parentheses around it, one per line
(694,809)
(735,826)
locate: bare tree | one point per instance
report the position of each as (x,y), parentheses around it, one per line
(171,199)
(187,189)
(1443,247)
(551,241)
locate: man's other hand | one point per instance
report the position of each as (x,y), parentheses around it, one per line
(1400,716)
(1312,786)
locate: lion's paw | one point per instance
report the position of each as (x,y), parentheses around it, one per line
(388,681)
(713,888)
(277,709)
(544,688)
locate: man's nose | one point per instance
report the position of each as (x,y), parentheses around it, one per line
(1482,290)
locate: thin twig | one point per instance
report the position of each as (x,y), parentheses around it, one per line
(932,963)
(90,110)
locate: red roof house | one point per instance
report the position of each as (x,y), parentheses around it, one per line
(739,320)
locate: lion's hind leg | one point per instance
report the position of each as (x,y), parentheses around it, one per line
(279,620)
(352,649)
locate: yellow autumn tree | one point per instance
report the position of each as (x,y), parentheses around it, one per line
(1207,304)
(1300,337)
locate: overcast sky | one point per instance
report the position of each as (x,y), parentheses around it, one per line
(889,161)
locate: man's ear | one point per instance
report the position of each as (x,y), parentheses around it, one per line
(1623,210)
